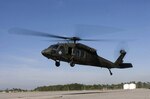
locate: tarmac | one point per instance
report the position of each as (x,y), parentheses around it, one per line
(92,94)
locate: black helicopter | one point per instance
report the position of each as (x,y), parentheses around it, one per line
(76,53)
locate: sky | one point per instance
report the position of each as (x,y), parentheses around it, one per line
(23,66)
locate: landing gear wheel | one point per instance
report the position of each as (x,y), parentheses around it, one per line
(57,63)
(72,64)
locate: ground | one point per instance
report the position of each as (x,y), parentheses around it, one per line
(96,94)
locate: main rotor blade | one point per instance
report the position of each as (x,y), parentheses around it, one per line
(102,40)
(55,40)
(34,33)
(43,34)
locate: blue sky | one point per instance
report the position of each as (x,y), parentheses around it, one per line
(23,66)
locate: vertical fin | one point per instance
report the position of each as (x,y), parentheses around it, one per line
(120,58)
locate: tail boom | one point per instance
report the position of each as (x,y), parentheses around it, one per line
(125,65)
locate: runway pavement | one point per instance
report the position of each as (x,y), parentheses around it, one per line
(96,94)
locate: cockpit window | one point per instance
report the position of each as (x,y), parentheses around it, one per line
(54,46)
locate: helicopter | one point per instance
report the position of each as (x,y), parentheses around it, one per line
(73,52)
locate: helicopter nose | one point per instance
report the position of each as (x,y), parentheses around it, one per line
(45,52)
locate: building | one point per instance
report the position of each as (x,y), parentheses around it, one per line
(129,86)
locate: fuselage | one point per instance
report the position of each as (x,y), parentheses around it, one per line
(77,53)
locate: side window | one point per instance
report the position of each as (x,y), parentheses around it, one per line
(78,53)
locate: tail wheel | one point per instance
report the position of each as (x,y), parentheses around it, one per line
(57,63)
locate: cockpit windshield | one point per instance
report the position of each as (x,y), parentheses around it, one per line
(54,46)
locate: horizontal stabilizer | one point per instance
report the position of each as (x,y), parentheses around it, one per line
(125,65)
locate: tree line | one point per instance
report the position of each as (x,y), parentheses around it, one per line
(77,86)
(13,90)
